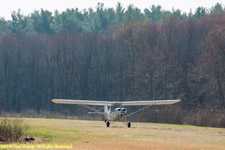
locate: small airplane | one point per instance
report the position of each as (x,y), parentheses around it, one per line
(114,111)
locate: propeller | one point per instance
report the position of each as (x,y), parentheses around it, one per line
(123,112)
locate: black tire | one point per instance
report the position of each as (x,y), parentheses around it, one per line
(128,124)
(107,124)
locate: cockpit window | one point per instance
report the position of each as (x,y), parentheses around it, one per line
(124,109)
(118,109)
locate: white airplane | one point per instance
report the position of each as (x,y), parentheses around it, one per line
(114,111)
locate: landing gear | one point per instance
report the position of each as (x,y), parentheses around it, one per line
(128,124)
(107,124)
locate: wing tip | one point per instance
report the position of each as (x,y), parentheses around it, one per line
(54,100)
(177,100)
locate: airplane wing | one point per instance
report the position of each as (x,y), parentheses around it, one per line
(82,102)
(152,102)
(110,103)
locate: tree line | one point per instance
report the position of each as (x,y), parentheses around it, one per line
(138,60)
(91,20)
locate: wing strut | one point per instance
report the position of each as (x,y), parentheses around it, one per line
(95,110)
(138,111)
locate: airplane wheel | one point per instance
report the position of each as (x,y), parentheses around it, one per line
(128,124)
(107,123)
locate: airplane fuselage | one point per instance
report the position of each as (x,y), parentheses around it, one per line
(115,114)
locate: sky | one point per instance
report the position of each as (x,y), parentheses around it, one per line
(28,6)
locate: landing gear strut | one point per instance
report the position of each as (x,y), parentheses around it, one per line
(108,123)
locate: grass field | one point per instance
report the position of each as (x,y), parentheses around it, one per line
(94,135)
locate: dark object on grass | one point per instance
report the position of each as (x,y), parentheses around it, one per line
(29,139)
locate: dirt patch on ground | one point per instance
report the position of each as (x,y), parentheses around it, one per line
(139,145)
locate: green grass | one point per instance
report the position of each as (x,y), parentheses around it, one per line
(53,134)
(179,126)
(95,133)
(147,135)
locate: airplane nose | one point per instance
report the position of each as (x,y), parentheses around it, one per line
(120,115)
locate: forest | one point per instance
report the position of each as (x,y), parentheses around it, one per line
(116,54)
